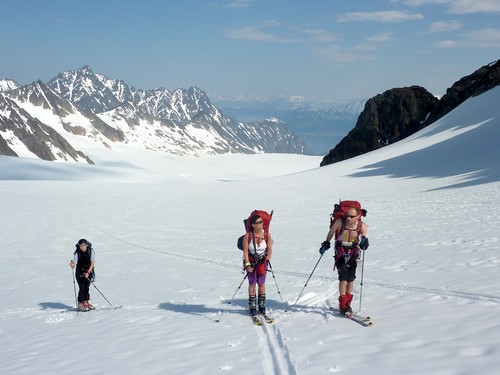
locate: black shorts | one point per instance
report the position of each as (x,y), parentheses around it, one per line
(347,271)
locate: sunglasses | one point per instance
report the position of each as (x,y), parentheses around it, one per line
(351,216)
(259,222)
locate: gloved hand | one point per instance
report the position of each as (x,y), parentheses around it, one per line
(363,244)
(324,247)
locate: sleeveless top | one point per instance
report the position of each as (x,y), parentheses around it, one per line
(83,260)
(261,247)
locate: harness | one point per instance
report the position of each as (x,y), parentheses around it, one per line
(347,249)
(254,257)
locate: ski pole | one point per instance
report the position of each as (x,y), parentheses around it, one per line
(302,291)
(101,293)
(277,287)
(74,289)
(361,283)
(231,300)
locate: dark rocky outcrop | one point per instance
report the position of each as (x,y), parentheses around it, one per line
(400,112)
(387,118)
(482,80)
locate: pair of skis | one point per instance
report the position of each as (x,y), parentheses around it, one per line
(362,320)
(94,309)
(259,320)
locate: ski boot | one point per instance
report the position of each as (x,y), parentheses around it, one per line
(262,304)
(252,308)
(344,308)
(89,305)
(82,306)
(348,304)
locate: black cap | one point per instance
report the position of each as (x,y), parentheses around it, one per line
(83,241)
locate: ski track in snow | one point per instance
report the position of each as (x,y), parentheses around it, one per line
(276,355)
(277,359)
(400,287)
(168,253)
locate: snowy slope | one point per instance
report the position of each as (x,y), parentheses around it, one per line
(164,230)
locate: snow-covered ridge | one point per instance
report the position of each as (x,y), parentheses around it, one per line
(105,111)
(8,84)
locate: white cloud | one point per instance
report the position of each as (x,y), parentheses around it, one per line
(371,45)
(319,35)
(446,44)
(233,4)
(416,3)
(444,26)
(381,16)
(473,6)
(365,47)
(271,23)
(461,6)
(484,38)
(261,33)
(381,37)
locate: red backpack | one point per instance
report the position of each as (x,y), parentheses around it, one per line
(340,210)
(266,218)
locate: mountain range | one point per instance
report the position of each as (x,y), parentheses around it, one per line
(76,111)
(79,112)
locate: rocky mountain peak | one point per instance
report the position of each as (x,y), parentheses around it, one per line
(400,112)
(8,84)
(102,111)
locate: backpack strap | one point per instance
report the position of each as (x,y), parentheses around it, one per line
(346,252)
(251,238)
(339,231)
(342,228)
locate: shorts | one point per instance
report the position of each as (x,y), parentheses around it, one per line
(347,271)
(255,278)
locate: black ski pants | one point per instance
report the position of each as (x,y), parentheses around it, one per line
(84,289)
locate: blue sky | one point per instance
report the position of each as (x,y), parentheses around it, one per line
(317,49)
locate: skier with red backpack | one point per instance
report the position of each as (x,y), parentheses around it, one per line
(257,250)
(350,238)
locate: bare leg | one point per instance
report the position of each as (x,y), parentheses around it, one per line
(262,289)
(251,290)
(343,287)
(349,287)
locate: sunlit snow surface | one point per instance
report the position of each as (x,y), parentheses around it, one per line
(164,230)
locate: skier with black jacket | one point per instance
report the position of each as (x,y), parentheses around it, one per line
(83,263)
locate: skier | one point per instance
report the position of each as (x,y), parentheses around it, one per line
(83,260)
(350,236)
(257,251)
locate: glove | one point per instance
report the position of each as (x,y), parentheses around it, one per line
(324,247)
(363,244)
